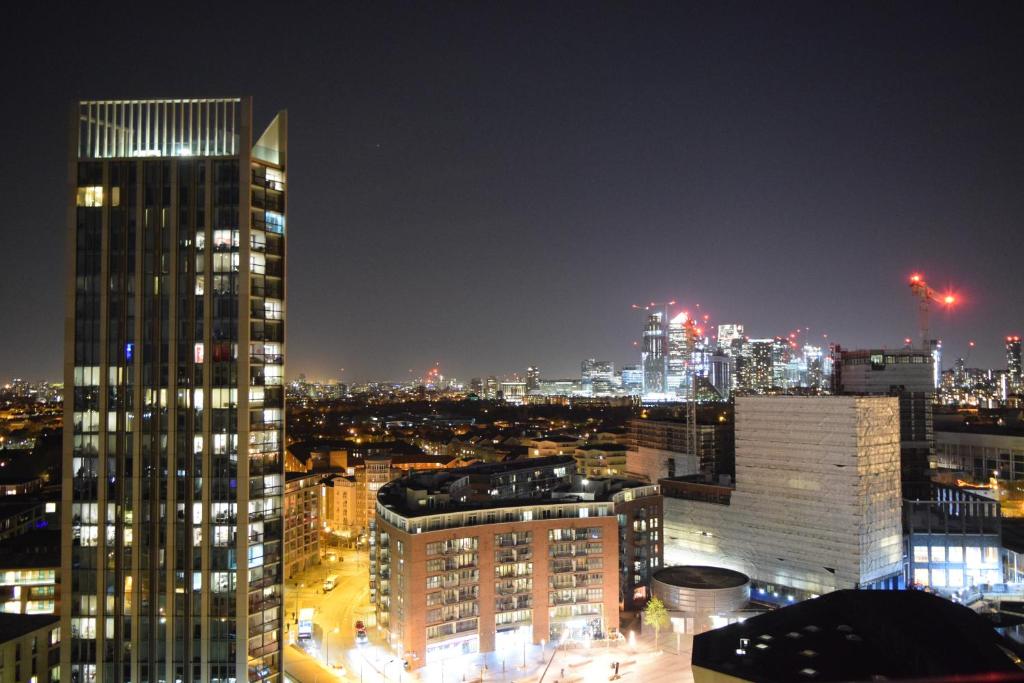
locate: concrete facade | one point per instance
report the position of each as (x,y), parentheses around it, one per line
(816,506)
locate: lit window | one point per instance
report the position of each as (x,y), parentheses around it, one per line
(939,578)
(921,577)
(955,579)
(275,222)
(938,554)
(90,196)
(955,554)
(920,553)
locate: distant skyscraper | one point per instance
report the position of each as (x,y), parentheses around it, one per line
(174,409)
(491,387)
(654,354)
(532,378)
(632,378)
(679,356)
(597,377)
(727,333)
(1015,378)
(757,366)
(720,373)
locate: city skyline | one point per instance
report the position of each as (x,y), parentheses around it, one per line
(507,182)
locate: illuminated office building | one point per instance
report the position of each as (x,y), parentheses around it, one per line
(654,357)
(597,376)
(532,379)
(679,351)
(173,474)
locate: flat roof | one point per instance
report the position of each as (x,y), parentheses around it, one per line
(700,576)
(598,489)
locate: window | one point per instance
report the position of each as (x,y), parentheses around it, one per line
(955,554)
(990,555)
(938,553)
(275,222)
(920,553)
(955,578)
(938,578)
(973,557)
(921,576)
(90,196)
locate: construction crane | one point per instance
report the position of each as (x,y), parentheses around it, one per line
(926,296)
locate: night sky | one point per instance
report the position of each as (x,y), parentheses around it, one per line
(491,186)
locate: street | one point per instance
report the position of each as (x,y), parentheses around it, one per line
(334,644)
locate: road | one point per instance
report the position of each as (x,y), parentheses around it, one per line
(334,638)
(337,611)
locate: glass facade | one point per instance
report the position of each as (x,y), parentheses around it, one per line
(174,368)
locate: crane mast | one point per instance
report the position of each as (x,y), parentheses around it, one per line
(925,296)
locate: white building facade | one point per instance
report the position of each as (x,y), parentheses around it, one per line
(817,501)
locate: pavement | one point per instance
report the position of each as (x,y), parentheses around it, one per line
(334,654)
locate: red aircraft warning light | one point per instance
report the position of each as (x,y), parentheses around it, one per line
(925,296)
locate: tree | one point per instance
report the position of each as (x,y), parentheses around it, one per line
(656,615)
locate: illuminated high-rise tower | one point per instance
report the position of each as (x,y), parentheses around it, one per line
(679,352)
(1013,364)
(654,358)
(173,476)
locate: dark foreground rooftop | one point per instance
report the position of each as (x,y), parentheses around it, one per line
(855,635)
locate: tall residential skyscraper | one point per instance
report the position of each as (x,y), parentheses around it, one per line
(173,477)
(1013,364)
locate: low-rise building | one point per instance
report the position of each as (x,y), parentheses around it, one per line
(301,522)
(953,541)
(29,573)
(981,451)
(343,501)
(29,648)
(496,555)
(601,459)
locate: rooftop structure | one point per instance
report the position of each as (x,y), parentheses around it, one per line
(856,636)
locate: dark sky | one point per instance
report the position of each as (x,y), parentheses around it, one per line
(491,186)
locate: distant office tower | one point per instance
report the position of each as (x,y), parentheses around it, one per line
(597,377)
(632,378)
(476,386)
(756,366)
(173,477)
(814,368)
(679,356)
(532,378)
(1015,378)
(491,387)
(720,373)
(728,333)
(936,349)
(906,373)
(654,356)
